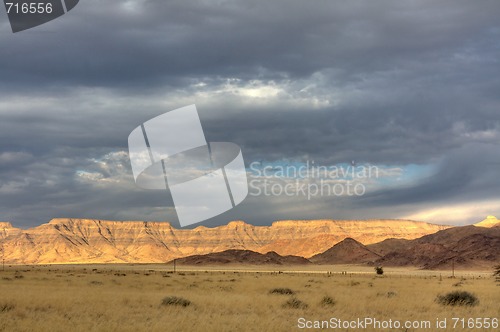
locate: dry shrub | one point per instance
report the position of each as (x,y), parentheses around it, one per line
(282,291)
(460,298)
(174,300)
(295,303)
(328,301)
(6,306)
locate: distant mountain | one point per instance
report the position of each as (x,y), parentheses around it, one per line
(381,242)
(390,245)
(242,257)
(315,236)
(98,241)
(349,251)
(490,221)
(464,247)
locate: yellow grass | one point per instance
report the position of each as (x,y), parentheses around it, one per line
(128,298)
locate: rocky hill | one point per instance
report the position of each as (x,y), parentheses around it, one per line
(98,241)
(242,257)
(463,247)
(349,251)
(467,247)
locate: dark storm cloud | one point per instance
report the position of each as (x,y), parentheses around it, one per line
(138,43)
(391,83)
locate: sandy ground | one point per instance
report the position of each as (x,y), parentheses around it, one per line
(237,298)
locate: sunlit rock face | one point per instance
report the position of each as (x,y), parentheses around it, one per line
(490,221)
(98,241)
(6,229)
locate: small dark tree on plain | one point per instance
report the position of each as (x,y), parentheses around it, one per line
(379,270)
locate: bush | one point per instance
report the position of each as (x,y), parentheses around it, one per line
(388,294)
(391,294)
(4,307)
(461,298)
(379,270)
(295,303)
(282,291)
(328,301)
(174,300)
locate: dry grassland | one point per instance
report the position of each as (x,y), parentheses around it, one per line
(107,298)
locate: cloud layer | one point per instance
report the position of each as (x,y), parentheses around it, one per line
(406,85)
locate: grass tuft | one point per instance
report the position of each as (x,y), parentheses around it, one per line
(282,291)
(328,301)
(458,298)
(174,300)
(5,307)
(295,303)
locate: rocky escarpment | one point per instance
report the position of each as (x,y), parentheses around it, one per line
(6,229)
(466,247)
(98,241)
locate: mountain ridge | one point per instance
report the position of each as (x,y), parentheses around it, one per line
(466,246)
(235,256)
(65,240)
(462,247)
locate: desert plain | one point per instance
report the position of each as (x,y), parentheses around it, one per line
(93,275)
(139,297)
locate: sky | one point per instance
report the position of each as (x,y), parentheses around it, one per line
(409,87)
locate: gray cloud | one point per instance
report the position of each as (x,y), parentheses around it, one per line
(378,82)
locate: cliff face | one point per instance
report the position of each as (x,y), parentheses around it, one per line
(6,229)
(97,241)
